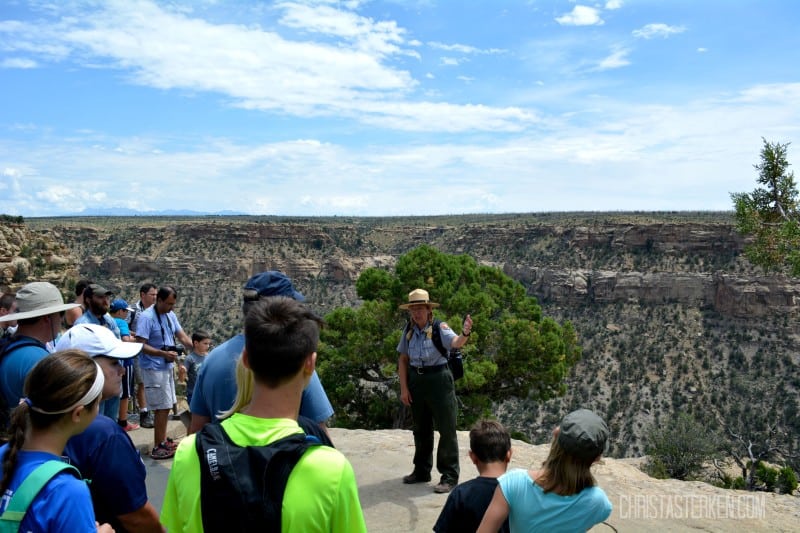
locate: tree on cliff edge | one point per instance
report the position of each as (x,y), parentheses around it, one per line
(770,213)
(513,351)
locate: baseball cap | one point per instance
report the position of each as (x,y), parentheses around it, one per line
(118,304)
(97,340)
(39,298)
(94,288)
(583,434)
(273,283)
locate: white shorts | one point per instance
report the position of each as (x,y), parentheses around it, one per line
(159,388)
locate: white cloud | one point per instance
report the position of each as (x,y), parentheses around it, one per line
(378,38)
(450,61)
(341,75)
(702,50)
(650,31)
(613,4)
(617,59)
(464,49)
(12,172)
(581,16)
(18,62)
(676,157)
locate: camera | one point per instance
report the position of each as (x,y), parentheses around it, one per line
(179,349)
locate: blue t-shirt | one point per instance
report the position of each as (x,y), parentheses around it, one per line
(107,320)
(531,509)
(63,504)
(122,324)
(105,454)
(15,367)
(124,331)
(215,389)
(158,330)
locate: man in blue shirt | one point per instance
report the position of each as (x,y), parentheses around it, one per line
(98,300)
(215,389)
(39,309)
(160,331)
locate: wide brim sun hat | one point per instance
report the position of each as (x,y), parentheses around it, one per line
(39,298)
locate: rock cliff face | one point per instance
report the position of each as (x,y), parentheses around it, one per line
(681,261)
(730,295)
(26,255)
(670,316)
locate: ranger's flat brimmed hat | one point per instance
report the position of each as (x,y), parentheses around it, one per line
(583,434)
(418,297)
(39,298)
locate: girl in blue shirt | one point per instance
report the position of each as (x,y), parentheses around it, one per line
(562,496)
(62,397)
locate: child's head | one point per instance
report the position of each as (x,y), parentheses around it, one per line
(201,342)
(119,308)
(489,442)
(578,442)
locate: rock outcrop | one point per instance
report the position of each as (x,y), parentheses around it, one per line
(26,255)
(731,295)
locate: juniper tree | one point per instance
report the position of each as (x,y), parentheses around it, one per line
(770,214)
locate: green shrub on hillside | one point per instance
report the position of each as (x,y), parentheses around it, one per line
(787,480)
(679,448)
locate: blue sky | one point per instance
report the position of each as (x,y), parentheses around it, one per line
(392,108)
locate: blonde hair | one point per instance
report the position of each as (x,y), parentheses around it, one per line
(244,390)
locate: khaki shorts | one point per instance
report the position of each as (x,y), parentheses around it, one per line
(159,388)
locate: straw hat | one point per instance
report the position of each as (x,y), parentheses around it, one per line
(418,297)
(39,298)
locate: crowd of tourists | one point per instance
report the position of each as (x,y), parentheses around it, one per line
(76,378)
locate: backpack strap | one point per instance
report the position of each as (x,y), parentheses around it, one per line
(436,337)
(31,486)
(9,344)
(248,483)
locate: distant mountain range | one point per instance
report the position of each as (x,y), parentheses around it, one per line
(125,212)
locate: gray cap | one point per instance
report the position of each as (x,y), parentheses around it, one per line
(39,298)
(583,434)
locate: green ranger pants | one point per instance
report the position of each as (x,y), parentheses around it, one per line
(433,404)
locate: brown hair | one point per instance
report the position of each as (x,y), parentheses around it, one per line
(55,382)
(564,473)
(489,441)
(7,300)
(279,333)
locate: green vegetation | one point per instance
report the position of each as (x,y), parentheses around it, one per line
(11,219)
(770,213)
(679,448)
(513,352)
